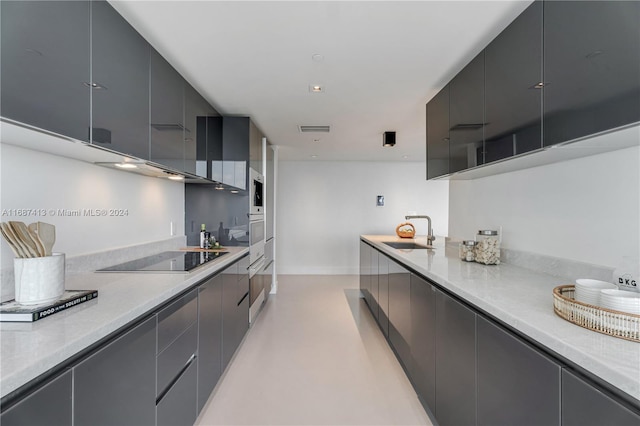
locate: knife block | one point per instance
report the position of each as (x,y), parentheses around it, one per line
(39,279)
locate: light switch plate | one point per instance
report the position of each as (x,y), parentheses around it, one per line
(380,201)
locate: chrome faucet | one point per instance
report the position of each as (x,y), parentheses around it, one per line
(430,237)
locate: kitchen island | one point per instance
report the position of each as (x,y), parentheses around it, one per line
(32,353)
(516,300)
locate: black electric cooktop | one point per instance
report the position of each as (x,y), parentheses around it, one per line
(168,261)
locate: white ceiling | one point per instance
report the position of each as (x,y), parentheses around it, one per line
(383,60)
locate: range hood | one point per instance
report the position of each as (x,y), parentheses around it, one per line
(30,137)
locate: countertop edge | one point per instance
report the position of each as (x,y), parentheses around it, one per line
(14,377)
(555,341)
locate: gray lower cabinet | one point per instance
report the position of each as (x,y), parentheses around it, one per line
(48,405)
(512,370)
(373,284)
(586,405)
(176,388)
(117,384)
(365,270)
(423,339)
(178,407)
(400,311)
(209,337)
(455,362)
(468,369)
(383,293)
(235,310)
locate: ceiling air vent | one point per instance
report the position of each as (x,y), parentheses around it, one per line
(468,126)
(311,129)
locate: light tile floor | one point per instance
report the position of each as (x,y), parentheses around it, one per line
(314,357)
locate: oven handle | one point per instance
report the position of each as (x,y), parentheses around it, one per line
(256,267)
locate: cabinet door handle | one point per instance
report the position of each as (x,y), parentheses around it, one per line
(175,379)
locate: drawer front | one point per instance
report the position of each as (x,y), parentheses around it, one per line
(243,268)
(176,318)
(178,406)
(173,359)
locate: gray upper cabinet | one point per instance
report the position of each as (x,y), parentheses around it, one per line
(438,134)
(103,391)
(455,362)
(513,98)
(120,75)
(512,370)
(196,113)
(48,405)
(236,138)
(561,71)
(591,67)
(167,114)
(255,148)
(45,65)
(466,116)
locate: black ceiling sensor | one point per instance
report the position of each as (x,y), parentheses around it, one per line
(389,139)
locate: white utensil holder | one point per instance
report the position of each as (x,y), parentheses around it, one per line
(39,279)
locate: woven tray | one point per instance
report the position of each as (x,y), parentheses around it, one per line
(606,321)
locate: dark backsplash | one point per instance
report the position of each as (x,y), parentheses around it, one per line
(217,209)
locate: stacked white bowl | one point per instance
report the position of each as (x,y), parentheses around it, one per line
(589,291)
(620,300)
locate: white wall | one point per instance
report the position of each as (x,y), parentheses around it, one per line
(36,180)
(323,207)
(586,209)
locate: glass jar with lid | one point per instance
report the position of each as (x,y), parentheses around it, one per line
(487,248)
(467,250)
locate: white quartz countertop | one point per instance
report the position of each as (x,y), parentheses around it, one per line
(523,299)
(28,350)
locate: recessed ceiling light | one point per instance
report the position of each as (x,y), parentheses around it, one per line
(176,177)
(539,85)
(219,187)
(405,156)
(317,57)
(94,86)
(316,88)
(234,191)
(313,156)
(126,165)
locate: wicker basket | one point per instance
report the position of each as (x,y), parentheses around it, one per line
(406,230)
(614,323)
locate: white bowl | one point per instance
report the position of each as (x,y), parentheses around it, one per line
(587,283)
(621,294)
(620,300)
(588,290)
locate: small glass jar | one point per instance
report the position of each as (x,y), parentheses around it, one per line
(487,249)
(467,250)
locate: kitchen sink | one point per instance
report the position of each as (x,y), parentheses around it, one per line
(407,245)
